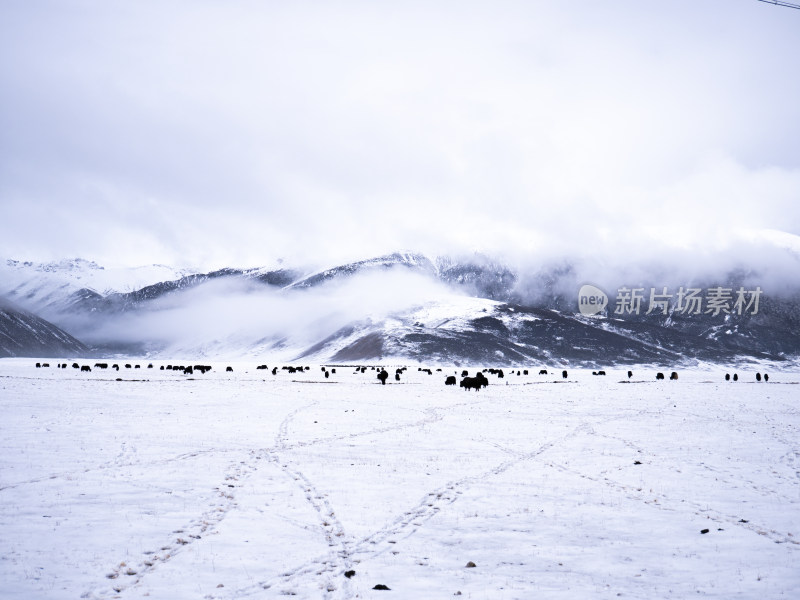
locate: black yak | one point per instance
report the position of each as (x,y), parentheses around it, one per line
(674,376)
(451,380)
(659,376)
(383,376)
(564,374)
(474,383)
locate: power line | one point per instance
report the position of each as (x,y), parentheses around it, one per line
(781,3)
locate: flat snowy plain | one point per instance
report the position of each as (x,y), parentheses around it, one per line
(249,485)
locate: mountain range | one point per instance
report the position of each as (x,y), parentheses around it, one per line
(404,305)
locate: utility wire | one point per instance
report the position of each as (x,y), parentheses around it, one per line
(781,3)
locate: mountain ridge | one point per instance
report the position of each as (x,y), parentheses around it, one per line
(24,334)
(478,309)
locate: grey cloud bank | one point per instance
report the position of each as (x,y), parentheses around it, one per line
(622,135)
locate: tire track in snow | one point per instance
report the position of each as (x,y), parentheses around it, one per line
(127,575)
(338,555)
(337,559)
(408,523)
(661,501)
(723,475)
(115,464)
(225,500)
(334,564)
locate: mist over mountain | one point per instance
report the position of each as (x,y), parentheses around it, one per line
(406,305)
(24,334)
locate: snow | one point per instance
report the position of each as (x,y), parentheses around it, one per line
(40,284)
(249,485)
(453,310)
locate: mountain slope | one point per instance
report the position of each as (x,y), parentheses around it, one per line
(411,261)
(50,287)
(24,334)
(487,332)
(403,305)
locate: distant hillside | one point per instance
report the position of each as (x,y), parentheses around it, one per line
(24,334)
(472,309)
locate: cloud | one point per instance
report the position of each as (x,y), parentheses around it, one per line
(237,314)
(206,134)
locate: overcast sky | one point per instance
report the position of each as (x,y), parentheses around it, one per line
(235,133)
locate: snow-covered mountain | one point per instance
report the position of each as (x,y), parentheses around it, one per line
(408,260)
(401,305)
(24,334)
(50,286)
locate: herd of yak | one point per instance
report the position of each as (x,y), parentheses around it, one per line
(475,382)
(188,370)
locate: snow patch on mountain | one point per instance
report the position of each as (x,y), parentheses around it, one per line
(39,285)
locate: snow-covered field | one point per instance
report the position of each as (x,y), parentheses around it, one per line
(249,485)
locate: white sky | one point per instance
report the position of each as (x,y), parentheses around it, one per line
(234,133)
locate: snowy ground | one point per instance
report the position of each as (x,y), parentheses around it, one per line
(248,485)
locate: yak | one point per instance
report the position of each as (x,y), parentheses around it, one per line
(474,383)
